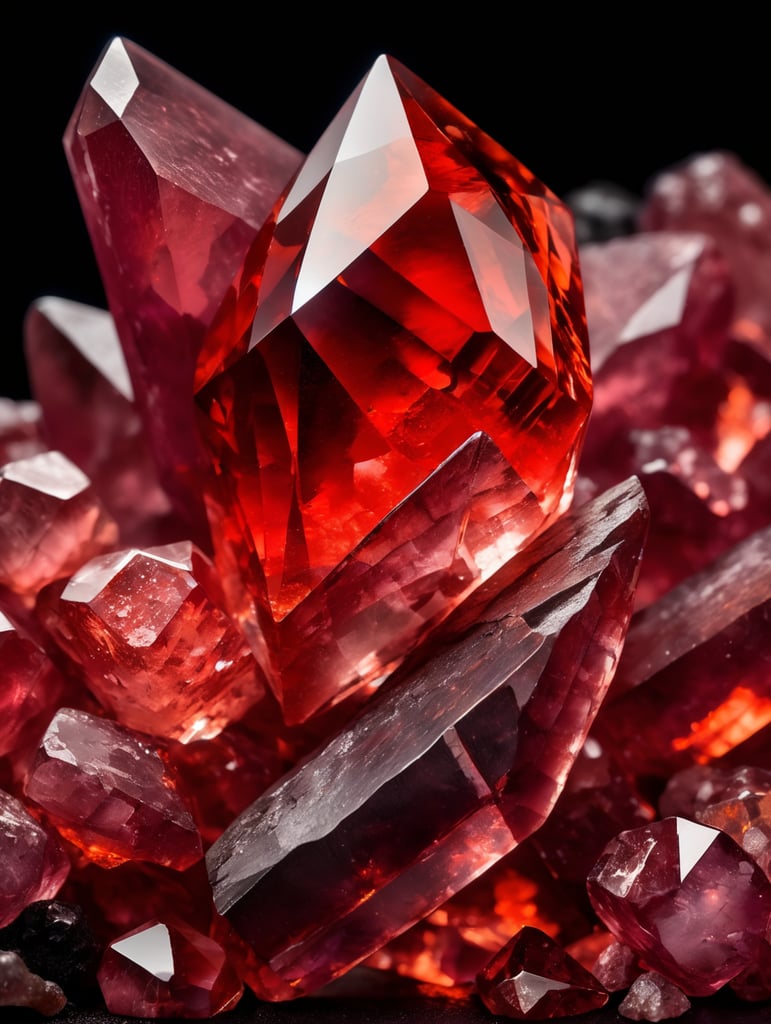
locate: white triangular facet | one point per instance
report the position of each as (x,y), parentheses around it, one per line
(693,841)
(531,988)
(661,310)
(115,80)
(151,950)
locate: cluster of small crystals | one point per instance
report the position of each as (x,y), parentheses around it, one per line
(330,437)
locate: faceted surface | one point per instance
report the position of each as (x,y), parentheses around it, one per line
(153,154)
(167,969)
(532,978)
(154,646)
(19,987)
(652,997)
(715,193)
(19,430)
(109,793)
(51,521)
(616,967)
(686,899)
(79,376)
(309,874)
(695,676)
(742,808)
(34,864)
(416,286)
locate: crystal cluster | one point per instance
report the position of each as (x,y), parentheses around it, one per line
(334,629)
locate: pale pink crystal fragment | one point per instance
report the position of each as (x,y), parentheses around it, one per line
(19,987)
(107,791)
(34,866)
(616,967)
(167,969)
(654,998)
(173,183)
(51,521)
(686,898)
(79,376)
(19,430)
(148,634)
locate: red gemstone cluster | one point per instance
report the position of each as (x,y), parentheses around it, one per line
(321,649)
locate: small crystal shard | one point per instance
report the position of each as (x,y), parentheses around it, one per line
(173,183)
(416,287)
(51,521)
(686,899)
(34,866)
(653,998)
(21,988)
(533,978)
(741,806)
(108,792)
(616,967)
(167,969)
(147,630)
(469,751)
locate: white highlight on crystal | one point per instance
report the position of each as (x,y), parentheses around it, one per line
(151,950)
(693,841)
(50,473)
(531,988)
(115,80)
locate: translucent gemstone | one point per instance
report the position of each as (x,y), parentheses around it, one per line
(147,631)
(108,792)
(34,864)
(167,969)
(742,808)
(415,287)
(694,680)
(653,998)
(173,183)
(19,430)
(662,888)
(79,376)
(19,987)
(616,967)
(51,521)
(717,194)
(468,751)
(533,978)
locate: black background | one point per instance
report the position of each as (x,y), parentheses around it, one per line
(575,96)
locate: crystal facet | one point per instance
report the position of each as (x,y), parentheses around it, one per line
(415,287)
(34,866)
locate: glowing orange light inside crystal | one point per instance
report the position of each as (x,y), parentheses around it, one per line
(741,715)
(743,420)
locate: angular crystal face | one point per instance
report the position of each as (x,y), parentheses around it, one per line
(415,287)
(34,863)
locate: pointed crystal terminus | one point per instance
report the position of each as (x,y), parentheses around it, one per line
(469,752)
(417,286)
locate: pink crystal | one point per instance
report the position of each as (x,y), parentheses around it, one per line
(34,866)
(653,998)
(51,521)
(153,154)
(108,792)
(741,807)
(148,634)
(19,430)
(167,969)
(616,967)
(20,987)
(686,898)
(79,376)
(309,875)
(532,978)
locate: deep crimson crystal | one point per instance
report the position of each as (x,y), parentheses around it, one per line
(173,183)
(51,521)
(686,898)
(108,792)
(167,969)
(309,875)
(147,631)
(533,978)
(34,866)
(416,287)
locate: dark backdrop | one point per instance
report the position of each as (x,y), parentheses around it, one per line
(576,97)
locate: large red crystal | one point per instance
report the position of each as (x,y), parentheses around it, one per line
(415,287)
(174,183)
(467,752)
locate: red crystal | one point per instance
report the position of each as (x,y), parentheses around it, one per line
(34,866)
(532,978)
(686,899)
(416,286)
(653,998)
(173,183)
(155,648)
(167,969)
(51,521)
(109,793)
(309,875)
(742,808)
